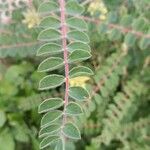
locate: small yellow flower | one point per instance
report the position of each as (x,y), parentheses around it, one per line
(104,10)
(102,17)
(79,81)
(98,6)
(31,18)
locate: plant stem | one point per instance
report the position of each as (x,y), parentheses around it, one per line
(30,3)
(64,46)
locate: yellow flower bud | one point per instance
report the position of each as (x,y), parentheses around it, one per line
(102,17)
(104,10)
(98,6)
(79,81)
(31,18)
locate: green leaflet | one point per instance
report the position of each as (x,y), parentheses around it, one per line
(126,20)
(50,22)
(73,8)
(50,104)
(144,43)
(53,128)
(48,7)
(71,131)
(20,132)
(73,109)
(78,93)
(116,110)
(104,92)
(50,117)
(50,64)
(78,45)
(49,48)
(49,35)
(77,23)
(51,81)
(92,106)
(98,99)
(48,141)
(80,71)
(115,34)
(2,118)
(6,138)
(103,28)
(139,24)
(130,39)
(67,145)
(79,55)
(60,145)
(78,36)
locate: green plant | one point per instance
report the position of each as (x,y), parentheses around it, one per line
(64,35)
(115,116)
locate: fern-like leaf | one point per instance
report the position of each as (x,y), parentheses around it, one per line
(64,34)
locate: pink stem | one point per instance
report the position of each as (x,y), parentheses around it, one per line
(30,3)
(115,26)
(64,46)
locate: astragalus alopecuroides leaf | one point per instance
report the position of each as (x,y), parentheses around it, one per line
(64,34)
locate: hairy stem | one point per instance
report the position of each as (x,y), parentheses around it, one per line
(30,3)
(64,46)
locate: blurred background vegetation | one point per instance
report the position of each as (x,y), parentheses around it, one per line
(117,116)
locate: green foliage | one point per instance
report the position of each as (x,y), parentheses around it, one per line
(116,113)
(110,107)
(127,24)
